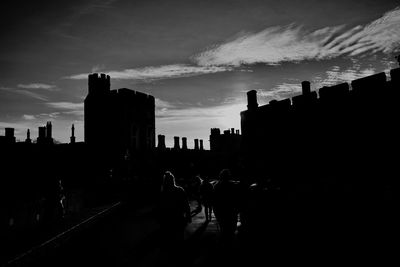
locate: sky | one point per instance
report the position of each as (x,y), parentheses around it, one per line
(197,58)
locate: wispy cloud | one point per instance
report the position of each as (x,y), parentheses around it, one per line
(158,72)
(65,105)
(43,86)
(28,117)
(67,108)
(279,91)
(25,93)
(279,44)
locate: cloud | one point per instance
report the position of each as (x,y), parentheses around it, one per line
(278,44)
(67,108)
(25,93)
(158,72)
(28,117)
(38,86)
(65,105)
(280,91)
(336,75)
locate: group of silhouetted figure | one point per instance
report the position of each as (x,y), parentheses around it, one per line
(228,199)
(262,216)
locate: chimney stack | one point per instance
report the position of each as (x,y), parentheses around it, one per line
(10,135)
(184,143)
(252,100)
(305,87)
(201,144)
(176,142)
(48,130)
(161,141)
(196,144)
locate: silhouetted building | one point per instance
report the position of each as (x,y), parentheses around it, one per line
(118,119)
(45,134)
(228,142)
(340,129)
(9,137)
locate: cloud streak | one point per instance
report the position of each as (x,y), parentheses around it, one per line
(25,93)
(275,45)
(158,72)
(43,86)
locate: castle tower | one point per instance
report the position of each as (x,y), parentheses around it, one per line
(96,108)
(72,138)
(252,100)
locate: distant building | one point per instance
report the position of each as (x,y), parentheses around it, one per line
(9,137)
(120,119)
(348,130)
(228,142)
(45,134)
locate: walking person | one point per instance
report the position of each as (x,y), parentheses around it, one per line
(226,205)
(174,215)
(206,194)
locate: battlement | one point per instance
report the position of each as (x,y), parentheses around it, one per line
(366,86)
(130,95)
(98,83)
(215,131)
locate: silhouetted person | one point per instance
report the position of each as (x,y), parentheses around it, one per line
(226,204)
(54,203)
(195,192)
(206,194)
(174,210)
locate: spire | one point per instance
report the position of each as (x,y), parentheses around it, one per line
(72,138)
(28,137)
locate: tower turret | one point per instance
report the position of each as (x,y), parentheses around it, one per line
(72,138)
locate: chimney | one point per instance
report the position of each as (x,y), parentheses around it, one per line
(42,132)
(196,144)
(161,141)
(48,130)
(201,144)
(232,131)
(184,143)
(72,138)
(176,142)
(252,100)
(10,135)
(305,87)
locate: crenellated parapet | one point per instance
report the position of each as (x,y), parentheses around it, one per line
(98,84)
